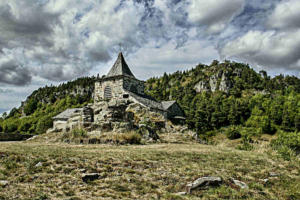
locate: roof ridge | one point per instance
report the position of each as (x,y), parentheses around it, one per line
(120,67)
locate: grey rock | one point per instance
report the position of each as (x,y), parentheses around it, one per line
(82,170)
(202,86)
(203,182)
(147,132)
(266,180)
(39,164)
(273,174)
(90,177)
(240,184)
(32,138)
(4,183)
(181,193)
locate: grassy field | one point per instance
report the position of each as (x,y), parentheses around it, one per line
(155,171)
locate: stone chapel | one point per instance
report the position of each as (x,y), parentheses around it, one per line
(112,96)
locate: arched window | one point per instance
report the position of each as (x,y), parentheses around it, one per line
(107,92)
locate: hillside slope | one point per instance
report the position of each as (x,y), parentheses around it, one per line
(212,96)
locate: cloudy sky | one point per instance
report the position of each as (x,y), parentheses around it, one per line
(51,41)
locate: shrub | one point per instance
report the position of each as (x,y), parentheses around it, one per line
(246,143)
(285,152)
(232,133)
(287,144)
(79,133)
(129,138)
(43,124)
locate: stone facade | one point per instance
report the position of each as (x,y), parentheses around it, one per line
(73,118)
(115,96)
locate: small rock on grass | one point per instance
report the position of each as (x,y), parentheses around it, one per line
(266,180)
(240,184)
(181,193)
(203,182)
(82,170)
(273,174)
(4,183)
(39,164)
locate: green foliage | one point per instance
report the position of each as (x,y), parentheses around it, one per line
(232,133)
(287,144)
(79,133)
(43,124)
(291,140)
(1,129)
(255,100)
(246,143)
(30,106)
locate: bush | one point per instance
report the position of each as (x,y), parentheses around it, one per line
(128,138)
(30,106)
(44,124)
(79,133)
(287,144)
(232,133)
(285,152)
(261,122)
(246,143)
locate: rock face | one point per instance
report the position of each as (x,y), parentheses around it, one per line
(217,82)
(123,116)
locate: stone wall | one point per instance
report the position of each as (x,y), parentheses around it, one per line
(83,119)
(116,86)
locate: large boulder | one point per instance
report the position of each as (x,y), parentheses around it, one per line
(147,133)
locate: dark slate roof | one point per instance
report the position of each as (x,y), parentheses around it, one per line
(147,101)
(167,104)
(120,68)
(65,115)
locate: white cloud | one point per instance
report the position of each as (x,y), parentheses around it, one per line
(151,61)
(12,72)
(286,15)
(214,14)
(276,48)
(269,49)
(68,37)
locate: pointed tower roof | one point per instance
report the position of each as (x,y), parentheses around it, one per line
(120,68)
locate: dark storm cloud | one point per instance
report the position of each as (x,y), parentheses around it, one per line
(63,39)
(25,24)
(11,73)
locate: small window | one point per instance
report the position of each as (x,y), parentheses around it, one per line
(107,92)
(125,96)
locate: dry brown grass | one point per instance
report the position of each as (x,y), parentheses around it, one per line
(156,171)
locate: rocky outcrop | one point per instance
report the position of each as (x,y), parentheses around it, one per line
(121,116)
(219,81)
(202,86)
